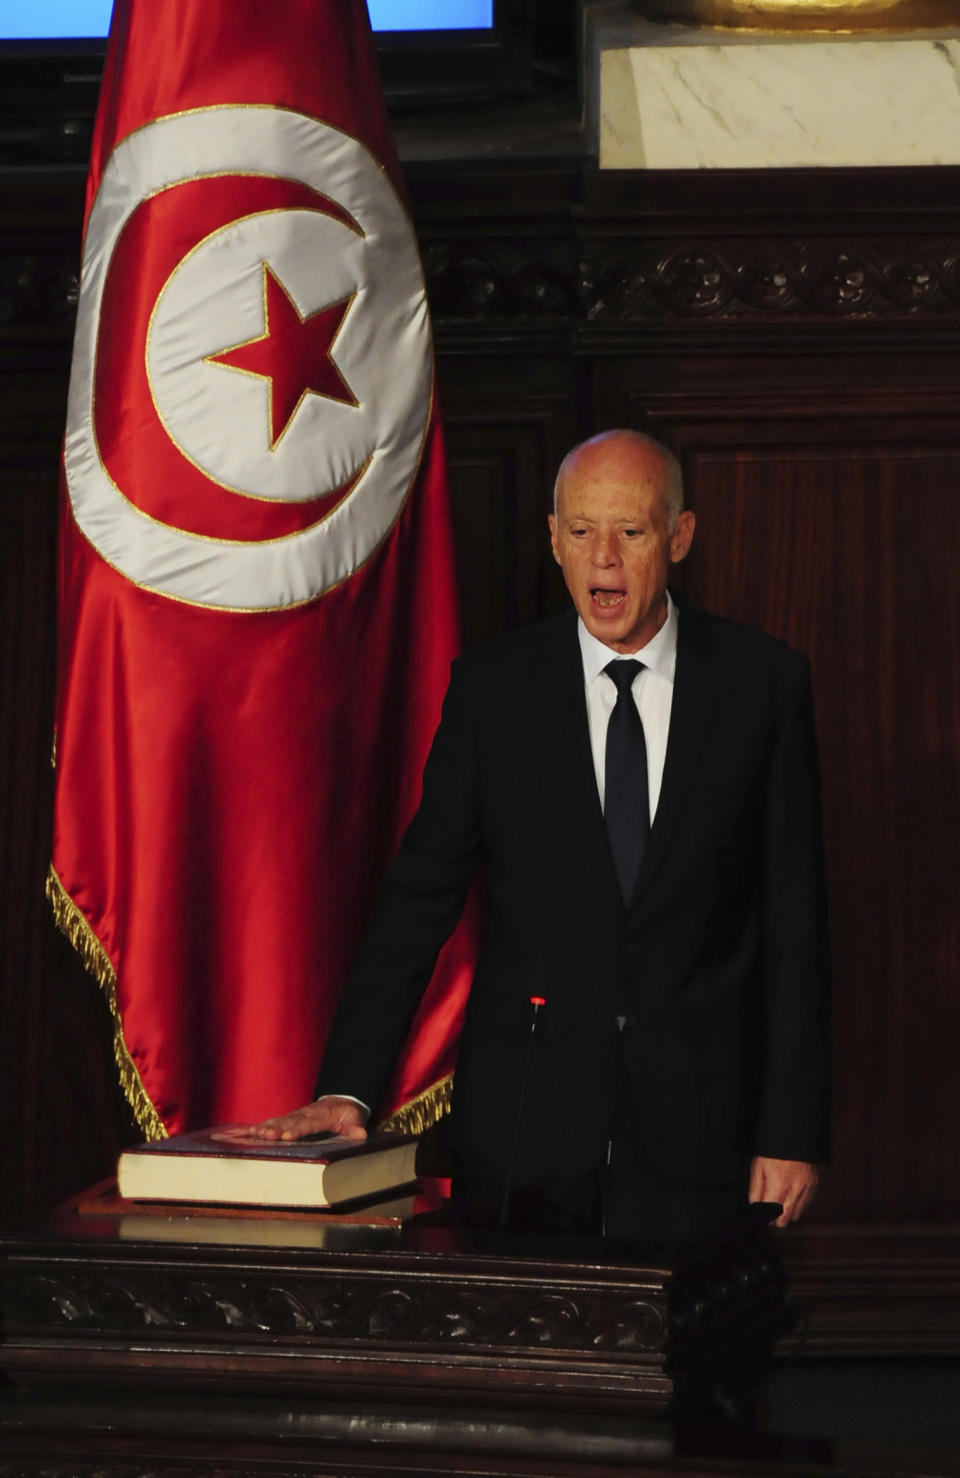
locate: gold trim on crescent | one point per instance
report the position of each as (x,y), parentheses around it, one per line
(72,923)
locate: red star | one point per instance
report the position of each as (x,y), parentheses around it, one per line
(293,353)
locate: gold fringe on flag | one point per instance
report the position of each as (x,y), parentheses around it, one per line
(71,922)
(422,1112)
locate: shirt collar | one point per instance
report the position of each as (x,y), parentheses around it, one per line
(659,654)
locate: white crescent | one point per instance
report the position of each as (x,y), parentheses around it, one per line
(218,418)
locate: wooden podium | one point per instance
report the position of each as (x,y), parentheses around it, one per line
(230,1341)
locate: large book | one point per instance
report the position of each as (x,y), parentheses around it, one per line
(225,1166)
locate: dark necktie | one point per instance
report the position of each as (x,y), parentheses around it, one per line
(626,803)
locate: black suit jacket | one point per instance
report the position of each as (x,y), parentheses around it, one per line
(717,963)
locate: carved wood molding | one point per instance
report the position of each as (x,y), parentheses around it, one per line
(157,1303)
(574,275)
(635,279)
(783,278)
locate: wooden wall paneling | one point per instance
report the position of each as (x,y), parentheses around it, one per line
(740,389)
(61,1115)
(60,1109)
(32,394)
(507,425)
(847,553)
(26,697)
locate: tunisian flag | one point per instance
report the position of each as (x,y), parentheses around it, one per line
(257,606)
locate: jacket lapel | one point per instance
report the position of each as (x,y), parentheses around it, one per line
(695,692)
(572,738)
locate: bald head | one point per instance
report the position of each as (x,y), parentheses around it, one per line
(626,456)
(617,527)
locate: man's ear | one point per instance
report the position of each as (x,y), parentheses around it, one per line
(682,536)
(552,526)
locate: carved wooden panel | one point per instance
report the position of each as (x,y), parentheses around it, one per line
(791,278)
(629,279)
(207,1303)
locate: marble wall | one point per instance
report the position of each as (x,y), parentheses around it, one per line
(671,97)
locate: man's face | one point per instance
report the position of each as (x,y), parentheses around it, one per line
(611,537)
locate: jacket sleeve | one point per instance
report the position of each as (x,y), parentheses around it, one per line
(419,905)
(793,1101)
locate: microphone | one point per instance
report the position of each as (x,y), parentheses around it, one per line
(536,1002)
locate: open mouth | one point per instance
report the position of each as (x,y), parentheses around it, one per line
(607,599)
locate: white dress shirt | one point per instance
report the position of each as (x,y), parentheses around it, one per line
(652,692)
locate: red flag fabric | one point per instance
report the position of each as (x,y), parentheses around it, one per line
(257,605)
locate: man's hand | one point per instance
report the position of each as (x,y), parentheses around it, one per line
(789,1183)
(338,1115)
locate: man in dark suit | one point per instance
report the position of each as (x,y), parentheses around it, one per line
(637,783)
